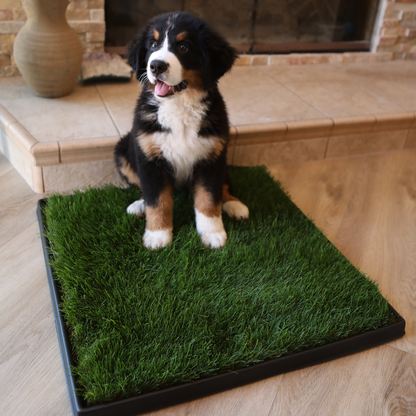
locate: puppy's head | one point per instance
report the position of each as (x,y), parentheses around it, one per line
(179,52)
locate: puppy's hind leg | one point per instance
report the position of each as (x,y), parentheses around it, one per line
(137,208)
(128,173)
(233,206)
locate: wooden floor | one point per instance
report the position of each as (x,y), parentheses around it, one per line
(367,208)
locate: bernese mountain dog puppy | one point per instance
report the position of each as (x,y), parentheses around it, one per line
(180,129)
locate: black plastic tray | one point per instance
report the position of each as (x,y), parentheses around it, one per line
(190,391)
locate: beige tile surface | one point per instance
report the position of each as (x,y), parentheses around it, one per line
(20,137)
(398,121)
(399,90)
(120,100)
(261,133)
(394,80)
(19,160)
(267,105)
(302,73)
(343,98)
(14,88)
(252,98)
(67,177)
(79,115)
(5,117)
(77,151)
(37,179)
(46,153)
(357,144)
(411,140)
(5,165)
(387,70)
(281,152)
(357,124)
(307,129)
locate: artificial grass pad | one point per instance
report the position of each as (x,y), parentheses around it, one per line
(143,320)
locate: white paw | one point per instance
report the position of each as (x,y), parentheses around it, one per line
(137,208)
(236,209)
(211,230)
(214,240)
(157,239)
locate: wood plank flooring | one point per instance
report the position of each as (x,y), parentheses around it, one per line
(366,206)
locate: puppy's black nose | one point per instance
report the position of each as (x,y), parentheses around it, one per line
(158,67)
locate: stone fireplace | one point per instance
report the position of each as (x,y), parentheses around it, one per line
(389,31)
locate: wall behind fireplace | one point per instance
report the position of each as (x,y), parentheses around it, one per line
(394,31)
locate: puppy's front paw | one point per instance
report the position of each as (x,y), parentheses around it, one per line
(137,208)
(211,230)
(157,239)
(236,209)
(214,240)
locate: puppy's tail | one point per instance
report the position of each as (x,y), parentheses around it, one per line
(125,163)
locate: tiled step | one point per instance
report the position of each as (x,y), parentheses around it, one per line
(278,115)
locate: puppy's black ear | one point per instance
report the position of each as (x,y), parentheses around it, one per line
(218,57)
(136,52)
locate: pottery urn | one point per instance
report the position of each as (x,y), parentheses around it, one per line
(48,52)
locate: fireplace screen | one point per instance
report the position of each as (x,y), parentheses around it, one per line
(265,26)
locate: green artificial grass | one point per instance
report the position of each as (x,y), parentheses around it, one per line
(143,320)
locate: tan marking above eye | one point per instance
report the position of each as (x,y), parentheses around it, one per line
(156,34)
(181,37)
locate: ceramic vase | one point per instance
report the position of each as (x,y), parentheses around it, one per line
(47,51)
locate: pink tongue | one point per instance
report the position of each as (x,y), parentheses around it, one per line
(161,88)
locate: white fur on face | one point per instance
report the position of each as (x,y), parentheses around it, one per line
(173,75)
(211,230)
(157,239)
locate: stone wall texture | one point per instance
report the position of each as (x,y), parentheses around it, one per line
(85,16)
(396,31)
(394,34)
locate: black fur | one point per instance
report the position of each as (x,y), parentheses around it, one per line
(211,57)
(212,51)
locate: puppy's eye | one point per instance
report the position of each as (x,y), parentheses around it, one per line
(153,45)
(182,47)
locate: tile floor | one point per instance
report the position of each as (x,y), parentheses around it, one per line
(279,114)
(254,95)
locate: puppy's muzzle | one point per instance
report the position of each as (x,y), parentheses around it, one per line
(158,67)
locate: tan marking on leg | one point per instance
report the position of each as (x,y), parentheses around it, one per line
(160,217)
(226,197)
(205,204)
(148,146)
(194,78)
(156,34)
(181,37)
(129,173)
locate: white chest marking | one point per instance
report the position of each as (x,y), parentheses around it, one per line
(181,145)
